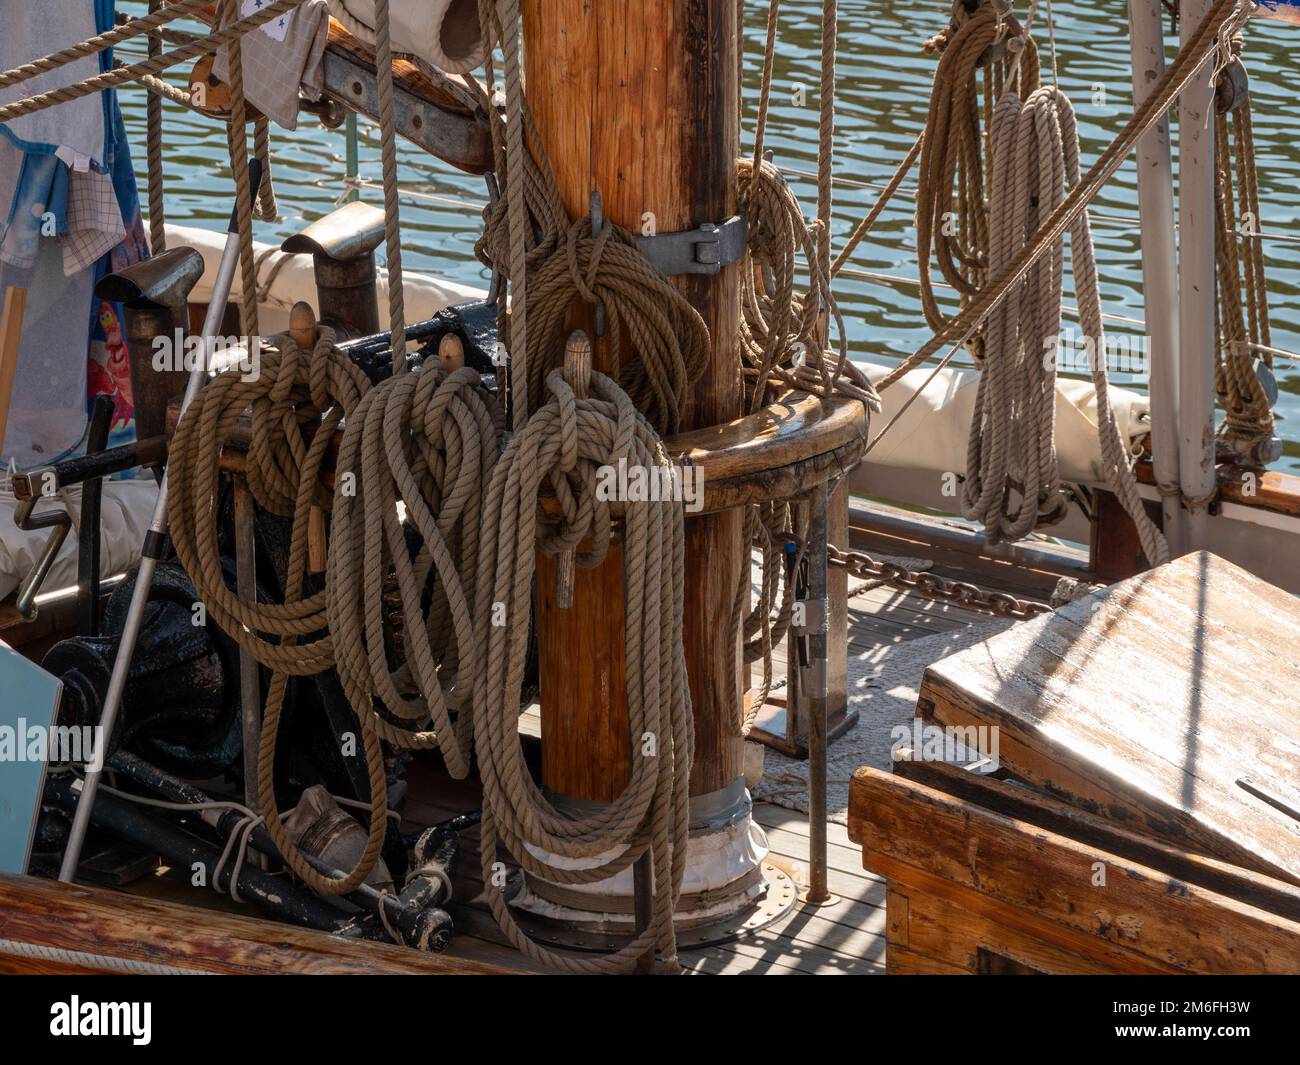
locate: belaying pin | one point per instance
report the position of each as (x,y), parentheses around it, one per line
(577,375)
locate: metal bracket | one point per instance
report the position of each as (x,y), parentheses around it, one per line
(465,141)
(703,250)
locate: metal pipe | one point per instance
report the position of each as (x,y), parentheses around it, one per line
(250,673)
(1159,262)
(817,617)
(353,163)
(80,468)
(1196,285)
(415,914)
(154,543)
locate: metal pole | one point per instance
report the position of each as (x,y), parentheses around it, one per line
(353,162)
(155,542)
(1196,283)
(1159,262)
(250,673)
(817,617)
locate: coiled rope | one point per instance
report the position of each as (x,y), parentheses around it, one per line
(952,223)
(420,446)
(1243,320)
(565,441)
(1199,49)
(297,401)
(552,261)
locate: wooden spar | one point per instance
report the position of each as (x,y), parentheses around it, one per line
(1159,260)
(639,101)
(11,336)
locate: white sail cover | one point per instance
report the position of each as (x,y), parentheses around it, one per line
(443,32)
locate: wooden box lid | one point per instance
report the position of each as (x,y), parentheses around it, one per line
(1151,702)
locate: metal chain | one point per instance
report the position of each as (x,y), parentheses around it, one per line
(932,586)
(925,584)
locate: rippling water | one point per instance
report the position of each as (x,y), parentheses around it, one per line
(883,88)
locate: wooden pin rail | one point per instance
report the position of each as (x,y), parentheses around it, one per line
(793,445)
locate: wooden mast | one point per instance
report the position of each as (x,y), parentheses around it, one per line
(639,101)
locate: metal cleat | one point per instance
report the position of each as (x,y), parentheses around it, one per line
(155,295)
(342,245)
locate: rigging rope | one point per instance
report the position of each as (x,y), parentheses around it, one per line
(1244,336)
(1035,159)
(1191,57)
(297,401)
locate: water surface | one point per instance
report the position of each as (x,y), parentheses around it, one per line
(882,94)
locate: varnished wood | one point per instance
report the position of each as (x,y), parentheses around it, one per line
(1146,703)
(639,102)
(1045,886)
(11,336)
(1263,489)
(97,921)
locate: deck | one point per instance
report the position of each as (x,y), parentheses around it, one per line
(845,935)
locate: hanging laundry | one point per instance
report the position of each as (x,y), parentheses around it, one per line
(283,56)
(69,213)
(78,128)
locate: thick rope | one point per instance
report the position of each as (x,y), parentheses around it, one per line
(564,442)
(952,225)
(1243,321)
(154,152)
(826,143)
(1191,57)
(782,338)
(297,402)
(1013,427)
(237,138)
(423,444)
(388,160)
(646,314)
(1035,159)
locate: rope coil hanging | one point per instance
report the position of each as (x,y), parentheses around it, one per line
(297,401)
(420,448)
(564,442)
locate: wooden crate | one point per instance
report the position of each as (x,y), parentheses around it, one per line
(1148,741)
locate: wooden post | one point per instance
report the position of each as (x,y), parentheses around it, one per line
(11,337)
(638,101)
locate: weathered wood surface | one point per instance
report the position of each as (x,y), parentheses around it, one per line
(1042,811)
(1147,702)
(108,923)
(1263,489)
(1045,886)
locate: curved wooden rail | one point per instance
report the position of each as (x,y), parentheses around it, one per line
(791,445)
(794,444)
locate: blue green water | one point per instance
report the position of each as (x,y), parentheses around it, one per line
(882,93)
